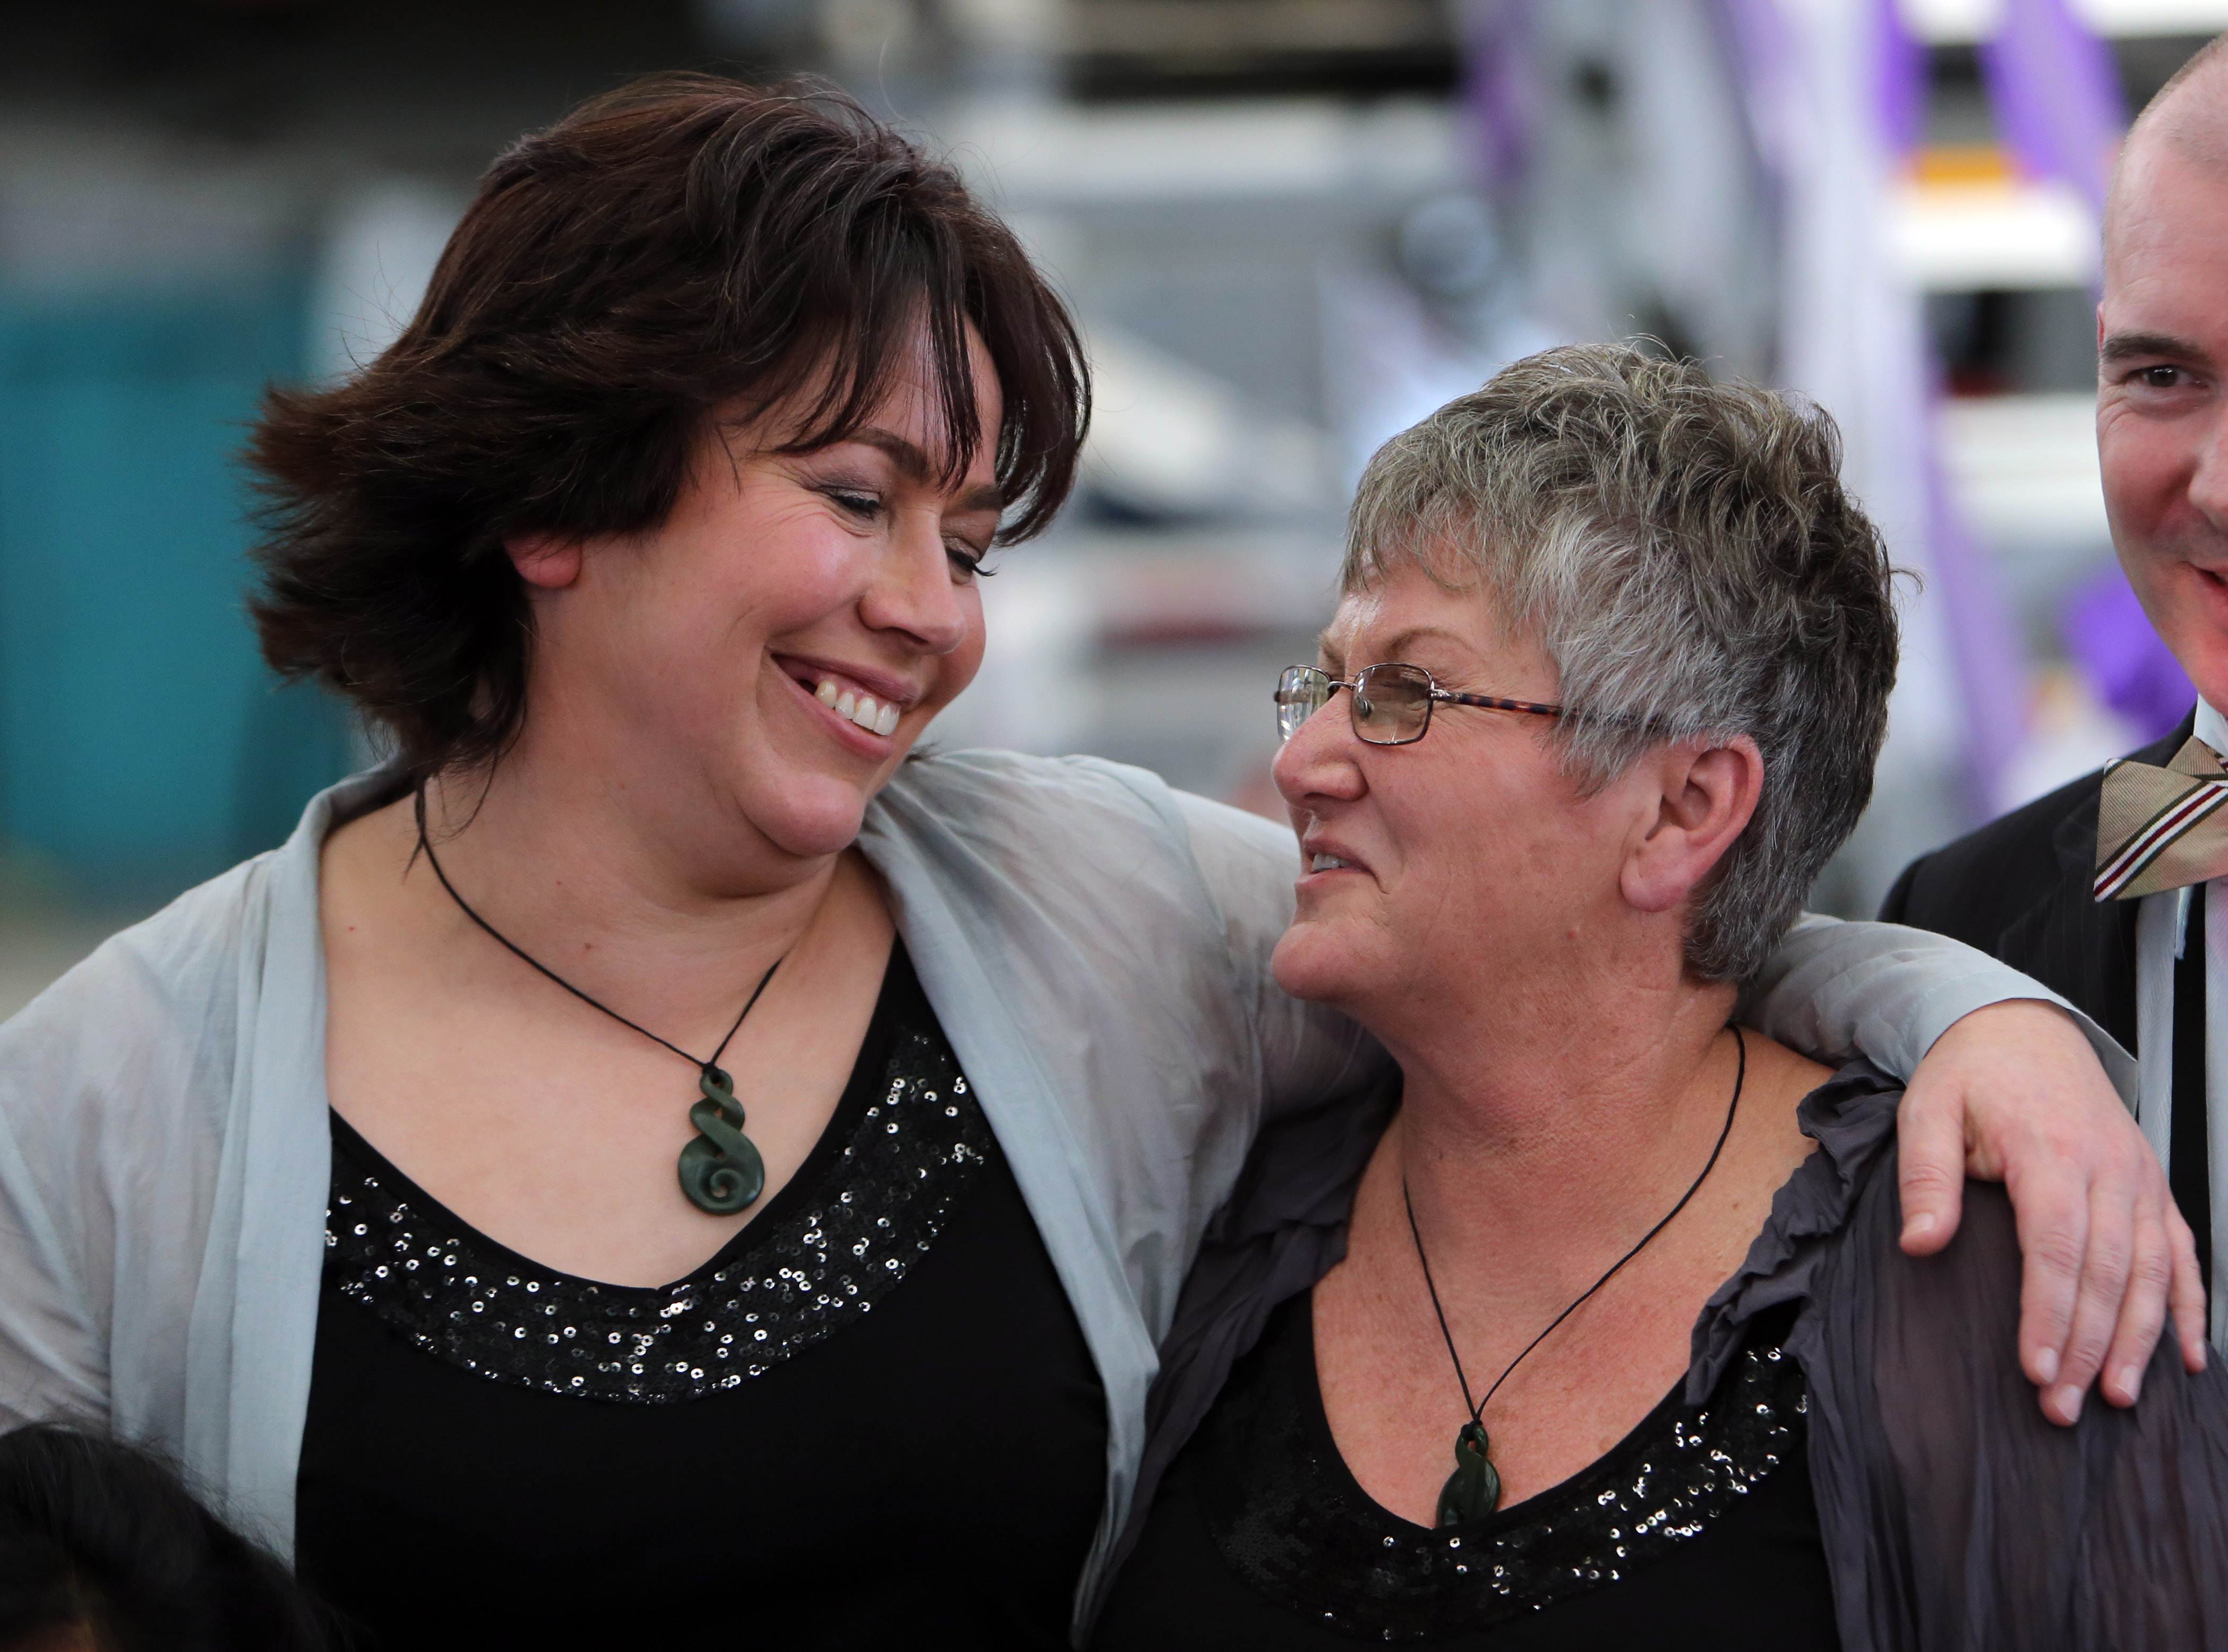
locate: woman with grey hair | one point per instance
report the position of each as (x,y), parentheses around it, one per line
(1616,1347)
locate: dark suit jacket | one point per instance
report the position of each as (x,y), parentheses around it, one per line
(2019,889)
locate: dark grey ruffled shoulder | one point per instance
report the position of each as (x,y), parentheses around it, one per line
(1851,1117)
(1954,1514)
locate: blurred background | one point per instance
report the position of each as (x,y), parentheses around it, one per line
(1292,227)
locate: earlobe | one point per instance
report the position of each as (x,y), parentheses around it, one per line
(544,561)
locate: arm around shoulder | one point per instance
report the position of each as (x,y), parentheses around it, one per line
(1835,988)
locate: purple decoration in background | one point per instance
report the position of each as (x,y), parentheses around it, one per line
(1899,79)
(2057,98)
(2110,638)
(1498,89)
(1986,649)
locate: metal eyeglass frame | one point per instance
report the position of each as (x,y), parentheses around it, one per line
(1293,676)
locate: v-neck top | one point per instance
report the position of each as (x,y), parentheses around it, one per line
(809,1440)
(1698,1529)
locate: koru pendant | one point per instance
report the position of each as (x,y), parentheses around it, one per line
(1473,1490)
(720,1170)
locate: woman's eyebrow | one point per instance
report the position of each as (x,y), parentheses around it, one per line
(1402,641)
(914,464)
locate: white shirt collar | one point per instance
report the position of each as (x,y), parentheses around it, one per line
(2212,727)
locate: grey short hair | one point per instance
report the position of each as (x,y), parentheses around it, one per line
(1684,552)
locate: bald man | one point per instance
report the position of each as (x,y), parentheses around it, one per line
(2111,889)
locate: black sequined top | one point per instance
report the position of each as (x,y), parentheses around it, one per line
(1697,1528)
(811,1440)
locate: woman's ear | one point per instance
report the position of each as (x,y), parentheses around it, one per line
(1705,795)
(541,560)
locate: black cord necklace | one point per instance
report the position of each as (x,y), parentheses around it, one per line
(720,1170)
(1473,1490)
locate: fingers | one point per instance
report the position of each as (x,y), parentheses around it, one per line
(2188,1292)
(2143,1316)
(1930,1139)
(2053,1212)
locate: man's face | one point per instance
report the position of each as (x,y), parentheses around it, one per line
(2162,398)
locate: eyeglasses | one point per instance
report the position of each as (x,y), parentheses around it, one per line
(1392,704)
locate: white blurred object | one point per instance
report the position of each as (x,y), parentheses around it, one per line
(1853,339)
(1053,154)
(382,244)
(1386,365)
(2072,733)
(1008,25)
(864,35)
(1958,22)
(1953,238)
(1035,691)
(1169,439)
(1058,614)
(2024,469)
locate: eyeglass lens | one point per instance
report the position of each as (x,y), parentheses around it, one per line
(1301,693)
(1391,703)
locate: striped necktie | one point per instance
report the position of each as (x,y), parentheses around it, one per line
(2162,828)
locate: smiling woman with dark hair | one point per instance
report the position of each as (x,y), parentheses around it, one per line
(650,1162)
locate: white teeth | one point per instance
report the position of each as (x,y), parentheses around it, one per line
(1325,862)
(860,709)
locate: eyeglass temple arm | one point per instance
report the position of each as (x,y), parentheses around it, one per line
(1494,703)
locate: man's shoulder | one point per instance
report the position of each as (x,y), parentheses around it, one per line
(1976,887)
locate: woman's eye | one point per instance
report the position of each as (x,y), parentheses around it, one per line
(968,561)
(864,506)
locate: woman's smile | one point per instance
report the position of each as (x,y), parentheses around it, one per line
(862,708)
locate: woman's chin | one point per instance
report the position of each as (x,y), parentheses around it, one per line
(811,818)
(1312,964)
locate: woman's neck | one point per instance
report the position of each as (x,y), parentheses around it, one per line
(593,880)
(1534,1127)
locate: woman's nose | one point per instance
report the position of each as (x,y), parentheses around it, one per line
(1318,760)
(913,591)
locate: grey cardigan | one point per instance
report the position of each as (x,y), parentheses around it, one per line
(1096,944)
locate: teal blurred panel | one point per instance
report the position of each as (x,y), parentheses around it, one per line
(143,745)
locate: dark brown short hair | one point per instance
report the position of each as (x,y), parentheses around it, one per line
(681,245)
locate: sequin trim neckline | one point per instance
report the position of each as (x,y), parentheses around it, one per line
(904,1143)
(1288,1516)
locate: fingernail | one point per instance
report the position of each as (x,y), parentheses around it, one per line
(2131,1382)
(2065,1401)
(2046,1366)
(1919,1225)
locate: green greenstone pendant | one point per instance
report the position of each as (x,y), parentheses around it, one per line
(1473,1490)
(720,1170)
